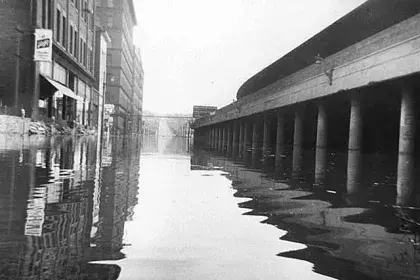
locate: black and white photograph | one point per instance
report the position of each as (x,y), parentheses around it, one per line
(209,140)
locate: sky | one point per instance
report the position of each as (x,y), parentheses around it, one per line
(198,52)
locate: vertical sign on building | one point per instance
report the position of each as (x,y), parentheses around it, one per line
(43,45)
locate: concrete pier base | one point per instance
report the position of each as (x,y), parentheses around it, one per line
(229,140)
(225,139)
(266,148)
(247,141)
(235,140)
(211,138)
(241,139)
(220,139)
(255,144)
(280,139)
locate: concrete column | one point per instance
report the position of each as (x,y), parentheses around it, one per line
(229,139)
(322,127)
(247,140)
(206,138)
(297,142)
(211,141)
(213,138)
(354,172)
(224,146)
(405,179)
(235,140)
(266,138)
(255,139)
(241,138)
(355,133)
(280,138)
(298,132)
(321,146)
(220,142)
(297,161)
(320,165)
(210,129)
(407,122)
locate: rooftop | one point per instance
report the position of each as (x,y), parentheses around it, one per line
(366,20)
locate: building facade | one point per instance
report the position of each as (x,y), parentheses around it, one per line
(124,71)
(63,88)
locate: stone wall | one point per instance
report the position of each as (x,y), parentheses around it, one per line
(14,125)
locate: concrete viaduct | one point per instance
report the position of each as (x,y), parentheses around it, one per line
(353,86)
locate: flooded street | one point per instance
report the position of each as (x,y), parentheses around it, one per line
(155,208)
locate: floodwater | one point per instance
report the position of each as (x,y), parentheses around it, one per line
(155,208)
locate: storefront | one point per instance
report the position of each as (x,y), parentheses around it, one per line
(59,101)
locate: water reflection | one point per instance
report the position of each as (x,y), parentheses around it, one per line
(354,226)
(62,206)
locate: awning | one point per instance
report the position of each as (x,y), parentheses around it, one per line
(63,89)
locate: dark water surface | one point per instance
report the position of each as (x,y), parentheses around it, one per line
(155,209)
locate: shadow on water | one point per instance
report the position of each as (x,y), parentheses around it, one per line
(358,214)
(63,204)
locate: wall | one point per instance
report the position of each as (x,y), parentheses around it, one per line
(15,14)
(13,125)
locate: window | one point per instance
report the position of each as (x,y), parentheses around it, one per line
(110,3)
(84,54)
(81,50)
(58,26)
(89,59)
(110,22)
(85,11)
(76,44)
(60,73)
(63,41)
(71,40)
(50,18)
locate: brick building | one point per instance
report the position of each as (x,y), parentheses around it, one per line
(124,71)
(63,88)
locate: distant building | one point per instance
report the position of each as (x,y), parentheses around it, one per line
(102,41)
(201,111)
(124,80)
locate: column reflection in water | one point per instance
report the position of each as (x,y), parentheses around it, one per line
(354,172)
(320,165)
